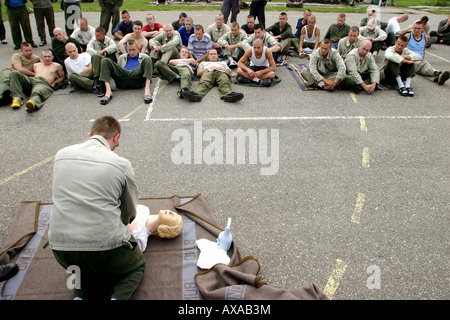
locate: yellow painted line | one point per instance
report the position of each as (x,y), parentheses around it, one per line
(353,97)
(365,158)
(41,163)
(30,168)
(335,279)
(363,126)
(360,201)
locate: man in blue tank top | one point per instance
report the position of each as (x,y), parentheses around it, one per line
(417,43)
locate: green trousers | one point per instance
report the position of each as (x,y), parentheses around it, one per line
(105,274)
(211,78)
(48,14)
(393,69)
(110,13)
(348,83)
(37,88)
(169,73)
(18,18)
(4,80)
(85,81)
(127,79)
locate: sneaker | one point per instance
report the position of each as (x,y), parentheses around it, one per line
(233,64)
(97,89)
(180,93)
(265,82)
(403,92)
(233,97)
(42,43)
(16,103)
(4,41)
(410,92)
(30,106)
(243,80)
(191,96)
(443,77)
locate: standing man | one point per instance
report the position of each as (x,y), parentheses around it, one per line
(257,8)
(2,27)
(43,9)
(231,6)
(40,87)
(18,19)
(110,12)
(72,12)
(90,231)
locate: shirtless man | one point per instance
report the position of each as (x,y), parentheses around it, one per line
(40,87)
(22,62)
(262,65)
(137,36)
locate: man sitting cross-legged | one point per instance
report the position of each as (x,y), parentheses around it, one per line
(262,65)
(133,70)
(213,72)
(39,87)
(178,70)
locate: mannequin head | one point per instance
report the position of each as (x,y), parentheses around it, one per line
(170,224)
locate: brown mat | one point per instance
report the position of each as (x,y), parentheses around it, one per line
(171,264)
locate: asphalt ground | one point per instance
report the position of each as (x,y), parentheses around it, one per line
(358,199)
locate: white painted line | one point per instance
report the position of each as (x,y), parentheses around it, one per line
(150,107)
(434,55)
(294,118)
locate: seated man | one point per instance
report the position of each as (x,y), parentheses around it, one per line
(393,29)
(213,72)
(166,45)
(137,36)
(152,29)
(84,33)
(82,70)
(375,35)
(177,24)
(350,42)
(302,22)
(399,65)
(59,42)
(249,27)
(199,44)
(326,67)
(217,30)
(39,87)
(133,70)
(294,4)
(102,44)
(22,62)
(229,43)
(362,71)
(309,38)
(443,31)
(417,42)
(282,32)
(269,41)
(186,31)
(181,69)
(262,65)
(123,27)
(337,31)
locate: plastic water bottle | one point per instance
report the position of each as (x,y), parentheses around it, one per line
(225,237)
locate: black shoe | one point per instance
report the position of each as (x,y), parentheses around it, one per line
(191,96)
(403,91)
(34,45)
(7,271)
(242,79)
(443,77)
(97,89)
(265,82)
(5,98)
(42,43)
(357,89)
(180,93)
(16,47)
(410,92)
(233,97)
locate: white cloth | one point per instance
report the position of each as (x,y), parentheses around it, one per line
(83,37)
(79,64)
(141,233)
(210,254)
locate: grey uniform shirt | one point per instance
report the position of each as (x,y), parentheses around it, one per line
(322,67)
(94,197)
(356,66)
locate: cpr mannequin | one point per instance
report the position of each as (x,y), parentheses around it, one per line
(167,224)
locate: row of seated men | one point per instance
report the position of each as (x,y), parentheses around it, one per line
(210,56)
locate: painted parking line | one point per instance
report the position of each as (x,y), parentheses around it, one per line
(359,206)
(335,279)
(362,122)
(365,158)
